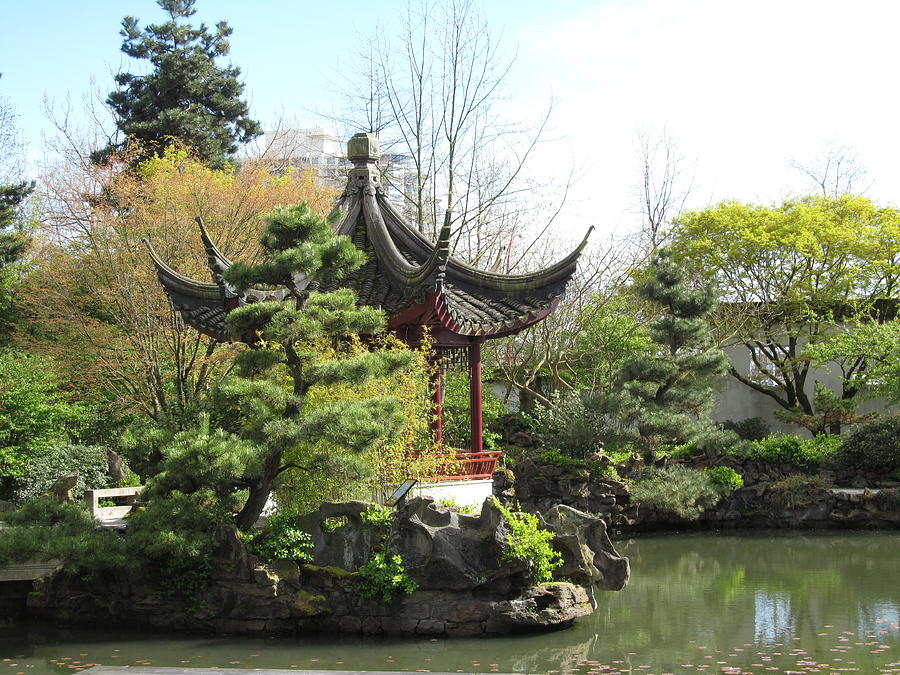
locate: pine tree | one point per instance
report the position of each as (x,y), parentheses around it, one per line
(309,336)
(667,396)
(12,246)
(185,96)
(12,240)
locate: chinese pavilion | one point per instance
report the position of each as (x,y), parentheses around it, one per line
(415,281)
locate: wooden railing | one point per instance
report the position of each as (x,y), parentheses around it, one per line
(470,465)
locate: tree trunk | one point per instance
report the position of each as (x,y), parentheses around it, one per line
(259,493)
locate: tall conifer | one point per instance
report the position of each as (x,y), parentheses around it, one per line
(186,95)
(667,396)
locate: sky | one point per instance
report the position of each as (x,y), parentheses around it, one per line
(744,87)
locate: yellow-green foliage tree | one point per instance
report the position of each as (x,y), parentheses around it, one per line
(789,273)
(411,454)
(93,299)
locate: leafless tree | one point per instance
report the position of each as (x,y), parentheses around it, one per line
(433,94)
(836,171)
(546,357)
(664,186)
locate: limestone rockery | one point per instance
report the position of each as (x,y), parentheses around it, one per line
(465,585)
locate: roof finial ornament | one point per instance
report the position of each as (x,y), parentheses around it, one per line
(362,150)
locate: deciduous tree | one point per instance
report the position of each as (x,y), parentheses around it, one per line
(93,296)
(790,274)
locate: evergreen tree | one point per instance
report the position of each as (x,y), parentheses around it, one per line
(12,239)
(12,246)
(666,396)
(185,96)
(306,338)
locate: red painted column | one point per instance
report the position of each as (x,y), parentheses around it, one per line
(437,386)
(475,423)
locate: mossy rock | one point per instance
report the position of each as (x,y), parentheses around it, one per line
(329,570)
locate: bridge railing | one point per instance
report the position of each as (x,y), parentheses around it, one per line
(93,497)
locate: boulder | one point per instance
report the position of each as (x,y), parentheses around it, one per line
(350,545)
(588,554)
(445,550)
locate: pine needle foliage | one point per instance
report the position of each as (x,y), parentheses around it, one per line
(186,96)
(666,396)
(309,340)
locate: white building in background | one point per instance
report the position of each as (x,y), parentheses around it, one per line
(314,149)
(325,154)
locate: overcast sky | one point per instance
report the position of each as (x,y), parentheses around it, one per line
(744,86)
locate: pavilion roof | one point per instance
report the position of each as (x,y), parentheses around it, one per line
(414,280)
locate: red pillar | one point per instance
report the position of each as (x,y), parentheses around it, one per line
(475,424)
(437,385)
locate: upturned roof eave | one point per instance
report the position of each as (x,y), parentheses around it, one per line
(203,292)
(462,274)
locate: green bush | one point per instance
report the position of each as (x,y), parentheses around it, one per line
(174,538)
(750,429)
(797,490)
(528,543)
(554,457)
(677,489)
(43,529)
(376,518)
(453,505)
(33,416)
(887,500)
(596,469)
(725,477)
(791,449)
(383,575)
(569,426)
(680,452)
(281,539)
(50,464)
(873,447)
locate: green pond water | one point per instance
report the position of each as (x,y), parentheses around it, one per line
(748,603)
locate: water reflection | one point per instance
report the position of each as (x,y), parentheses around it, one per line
(773,617)
(715,602)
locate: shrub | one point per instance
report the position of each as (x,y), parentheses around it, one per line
(790,449)
(43,529)
(569,426)
(681,452)
(33,416)
(887,500)
(383,575)
(281,539)
(750,429)
(599,470)
(376,518)
(873,447)
(453,505)
(529,544)
(174,537)
(556,458)
(50,464)
(797,490)
(725,477)
(677,489)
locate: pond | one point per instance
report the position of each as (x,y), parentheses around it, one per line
(747,603)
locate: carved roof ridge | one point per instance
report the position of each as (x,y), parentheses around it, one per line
(466,274)
(175,281)
(216,260)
